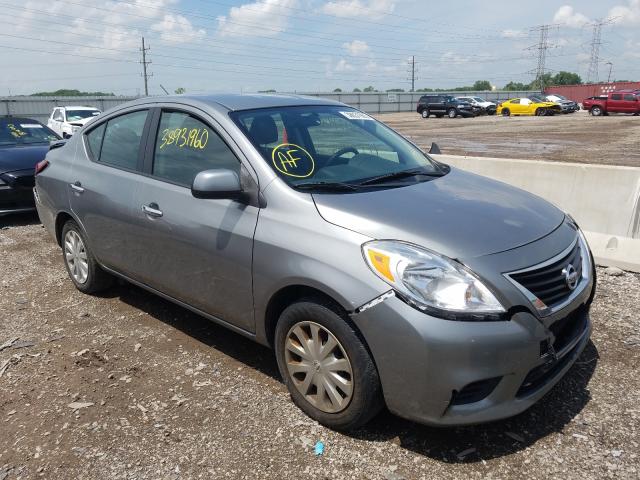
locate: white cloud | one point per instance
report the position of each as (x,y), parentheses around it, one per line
(513,34)
(628,15)
(356,48)
(343,66)
(568,16)
(247,19)
(454,58)
(177,29)
(371,9)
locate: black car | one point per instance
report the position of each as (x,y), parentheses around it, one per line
(441,105)
(23,144)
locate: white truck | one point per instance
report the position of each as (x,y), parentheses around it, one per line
(66,121)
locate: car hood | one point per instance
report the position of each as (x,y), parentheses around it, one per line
(81,122)
(461,215)
(21,157)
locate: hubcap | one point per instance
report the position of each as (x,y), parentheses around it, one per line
(319,367)
(75,255)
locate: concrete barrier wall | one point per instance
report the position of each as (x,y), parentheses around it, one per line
(604,200)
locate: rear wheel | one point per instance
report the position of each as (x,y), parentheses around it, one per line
(506,112)
(326,366)
(425,113)
(596,111)
(452,113)
(84,271)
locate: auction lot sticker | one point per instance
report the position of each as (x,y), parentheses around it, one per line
(292,160)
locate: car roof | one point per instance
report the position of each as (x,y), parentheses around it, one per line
(19,119)
(236,102)
(78,107)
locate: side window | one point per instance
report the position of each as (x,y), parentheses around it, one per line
(121,142)
(57,116)
(94,140)
(516,101)
(630,98)
(186,146)
(616,96)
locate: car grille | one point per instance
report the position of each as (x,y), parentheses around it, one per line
(548,283)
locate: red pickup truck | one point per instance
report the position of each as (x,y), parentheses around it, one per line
(615,102)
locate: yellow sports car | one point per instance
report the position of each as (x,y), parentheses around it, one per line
(527,106)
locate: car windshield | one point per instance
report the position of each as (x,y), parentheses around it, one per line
(478,99)
(24,132)
(331,146)
(75,115)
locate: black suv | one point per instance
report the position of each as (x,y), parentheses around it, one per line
(441,105)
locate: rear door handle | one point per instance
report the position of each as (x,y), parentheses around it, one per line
(153,210)
(77,187)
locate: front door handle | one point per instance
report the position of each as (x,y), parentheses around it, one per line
(77,187)
(153,210)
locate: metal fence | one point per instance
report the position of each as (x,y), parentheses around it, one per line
(40,108)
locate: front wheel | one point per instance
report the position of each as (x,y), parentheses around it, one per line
(452,113)
(326,366)
(541,112)
(506,112)
(81,265)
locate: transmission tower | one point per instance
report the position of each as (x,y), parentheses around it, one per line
(144,63)
(542,46)
(596,41)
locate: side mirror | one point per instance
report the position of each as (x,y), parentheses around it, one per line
(216,183)
(435,149)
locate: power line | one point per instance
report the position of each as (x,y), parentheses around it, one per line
(144,63)
(412,72)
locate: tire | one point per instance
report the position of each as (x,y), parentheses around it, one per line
(425,113)
(541,112)
(86,275)
(596,111)
(506,112)
(299,321)
(452,113)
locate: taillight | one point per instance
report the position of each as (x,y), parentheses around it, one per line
(40,166)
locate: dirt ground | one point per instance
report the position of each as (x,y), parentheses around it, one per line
(129,386)
(577,137)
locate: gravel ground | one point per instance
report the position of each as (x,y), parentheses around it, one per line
(577,137)
(126,385)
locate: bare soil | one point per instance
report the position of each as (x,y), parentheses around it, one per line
(129,386)
(577,137)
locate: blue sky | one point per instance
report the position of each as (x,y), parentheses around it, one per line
(303,45)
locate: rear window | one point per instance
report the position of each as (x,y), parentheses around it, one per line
(121,142)
(616,96)
(22,131)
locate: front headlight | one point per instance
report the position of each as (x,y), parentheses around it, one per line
(429,281)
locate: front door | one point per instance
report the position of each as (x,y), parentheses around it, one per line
(195,250)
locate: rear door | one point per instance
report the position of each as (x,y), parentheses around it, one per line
(438,104)
(103,180)
(198,251)
(630,103)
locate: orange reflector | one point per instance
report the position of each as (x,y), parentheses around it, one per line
(380,261)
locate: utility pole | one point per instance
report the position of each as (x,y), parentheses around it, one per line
(144,63)
(412,72)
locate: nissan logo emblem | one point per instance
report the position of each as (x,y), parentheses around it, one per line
(570,276)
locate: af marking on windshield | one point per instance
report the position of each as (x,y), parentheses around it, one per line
(292,160)
(356,115)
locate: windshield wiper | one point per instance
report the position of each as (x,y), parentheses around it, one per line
(327,186)
(398,175)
